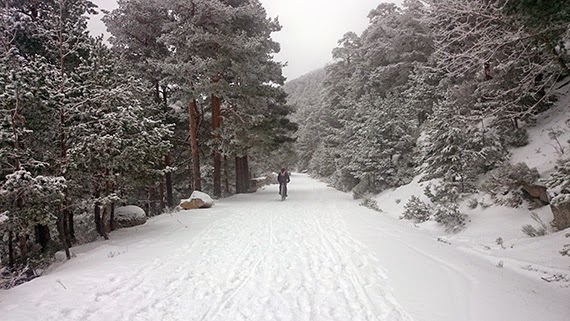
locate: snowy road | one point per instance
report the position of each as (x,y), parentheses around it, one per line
(316,256)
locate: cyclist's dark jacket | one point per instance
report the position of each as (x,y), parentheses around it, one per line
(283,177)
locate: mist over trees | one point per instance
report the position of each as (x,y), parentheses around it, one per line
(185,95)
(441,88)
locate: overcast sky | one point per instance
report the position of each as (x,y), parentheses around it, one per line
(311,28)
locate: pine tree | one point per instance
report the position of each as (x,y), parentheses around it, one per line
(115,142)
(136,27)
(456,149)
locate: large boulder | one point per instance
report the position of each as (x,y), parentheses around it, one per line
(197,200)
(536,193)
(129,216)
(560,207)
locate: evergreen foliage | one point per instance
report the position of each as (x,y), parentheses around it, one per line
(505,182)
(560,179)
(441,88)
(450,217)
(416,210)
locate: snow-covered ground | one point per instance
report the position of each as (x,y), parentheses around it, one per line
(317,256)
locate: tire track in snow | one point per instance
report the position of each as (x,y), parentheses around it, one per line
(246,279)
(266,260)
(331,239)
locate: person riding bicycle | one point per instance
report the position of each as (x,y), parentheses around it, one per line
(283,179)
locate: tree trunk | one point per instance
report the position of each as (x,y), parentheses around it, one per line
(66,213)
(97,212)
(168,156)
(70,227)
(63,233)
(152,201)
(11,260)
(42,236)
(22,244)
(168,182)
(242,175)
(161,196)
(104,225)
(216,124)
(226,178)
(109,188)
(193,118)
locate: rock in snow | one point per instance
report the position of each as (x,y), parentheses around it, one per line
(129,216)
(197,200)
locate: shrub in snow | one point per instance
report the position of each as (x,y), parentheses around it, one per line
(363,187)
(442,193)
(473,203)
(504,184)
(566,250)
(515,138)
(500,242)
(449,216)
(416,210)
(532,231)
(343,180)
(12,277)
(371,204)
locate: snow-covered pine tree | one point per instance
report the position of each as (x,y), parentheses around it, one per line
(383,144)
(220,54)
(136,27)
(40,42)
(116,145)
(456,149)
(305,95)
(370,128)
(514,72)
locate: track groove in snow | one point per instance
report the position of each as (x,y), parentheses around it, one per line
(264,260)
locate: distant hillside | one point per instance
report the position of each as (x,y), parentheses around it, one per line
(305,91)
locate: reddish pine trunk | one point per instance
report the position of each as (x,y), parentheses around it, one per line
(226,179)
(242,175)
(216,124)
(193,118)
(62,231)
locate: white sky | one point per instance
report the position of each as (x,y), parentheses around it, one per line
(311,28)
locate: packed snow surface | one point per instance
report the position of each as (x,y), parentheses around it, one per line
(316,256)
(129,212)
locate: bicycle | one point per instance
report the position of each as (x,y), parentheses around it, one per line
(283,191)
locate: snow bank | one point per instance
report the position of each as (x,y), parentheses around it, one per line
(200,195)
(129,212)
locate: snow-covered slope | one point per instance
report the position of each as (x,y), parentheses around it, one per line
(317,256)
(494,233)
(543,150)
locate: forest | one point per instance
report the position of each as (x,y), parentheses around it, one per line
(180,99)
(443,89)
(186,96)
